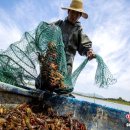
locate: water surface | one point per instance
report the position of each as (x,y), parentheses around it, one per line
(105,103)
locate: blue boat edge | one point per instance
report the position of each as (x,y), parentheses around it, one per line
(95,116)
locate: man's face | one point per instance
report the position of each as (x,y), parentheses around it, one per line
(73,16)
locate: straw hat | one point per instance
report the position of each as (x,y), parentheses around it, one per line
(77,5)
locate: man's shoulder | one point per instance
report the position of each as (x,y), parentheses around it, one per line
(58,22)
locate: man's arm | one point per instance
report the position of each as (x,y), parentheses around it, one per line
(85,45)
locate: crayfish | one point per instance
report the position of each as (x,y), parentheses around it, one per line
(22,117)
(49,68)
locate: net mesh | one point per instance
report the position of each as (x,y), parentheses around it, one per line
(44,45)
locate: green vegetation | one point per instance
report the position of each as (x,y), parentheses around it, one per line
(118,100)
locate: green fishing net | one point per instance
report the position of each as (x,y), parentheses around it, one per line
(45,46)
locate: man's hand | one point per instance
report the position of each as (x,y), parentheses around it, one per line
(90,54)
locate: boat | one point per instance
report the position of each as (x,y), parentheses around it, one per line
(95,116)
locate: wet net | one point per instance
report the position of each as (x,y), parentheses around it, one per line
(45,46)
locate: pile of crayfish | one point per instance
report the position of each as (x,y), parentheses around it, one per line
(49,68)
(22,117)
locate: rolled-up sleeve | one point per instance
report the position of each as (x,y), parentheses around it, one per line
(84,43)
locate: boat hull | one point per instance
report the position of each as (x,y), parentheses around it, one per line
(95,117)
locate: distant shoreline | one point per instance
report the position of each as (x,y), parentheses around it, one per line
(118,100)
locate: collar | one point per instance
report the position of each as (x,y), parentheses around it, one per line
(74,24)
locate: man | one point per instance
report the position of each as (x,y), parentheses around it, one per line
(73,38)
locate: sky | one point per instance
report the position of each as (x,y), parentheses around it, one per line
(107,26)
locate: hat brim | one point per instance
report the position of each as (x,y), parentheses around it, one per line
(84,15)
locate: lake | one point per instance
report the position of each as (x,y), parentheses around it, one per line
(104,103)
